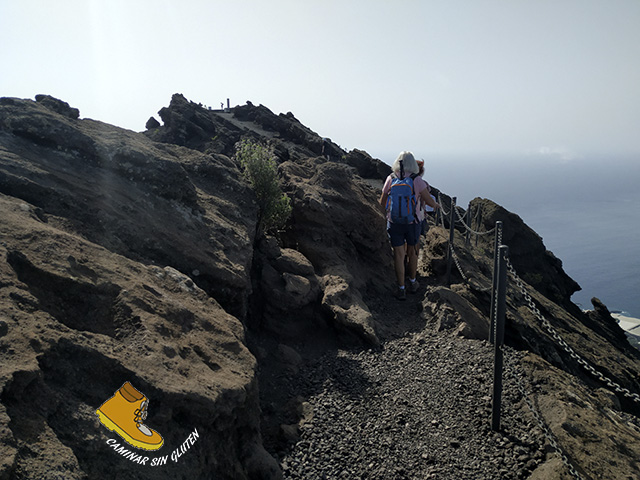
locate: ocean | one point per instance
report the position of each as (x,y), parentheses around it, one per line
(587,212)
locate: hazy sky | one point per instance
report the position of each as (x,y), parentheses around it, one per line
(552,78)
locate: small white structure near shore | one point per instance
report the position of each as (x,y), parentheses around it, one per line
(629,324)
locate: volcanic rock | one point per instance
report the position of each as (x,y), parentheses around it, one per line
(58,106)
(152,123)
(101,231)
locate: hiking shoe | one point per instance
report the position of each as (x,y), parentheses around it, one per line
(401,294)
(413,286)
(123,414)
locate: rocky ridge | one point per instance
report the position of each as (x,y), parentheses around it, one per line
(133,257)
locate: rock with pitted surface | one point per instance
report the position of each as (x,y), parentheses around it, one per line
(123,260)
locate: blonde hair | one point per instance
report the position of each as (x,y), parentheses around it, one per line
(409,164)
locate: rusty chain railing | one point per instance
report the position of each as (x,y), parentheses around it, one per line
(502,266)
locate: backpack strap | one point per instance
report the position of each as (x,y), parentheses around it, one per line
(413,176)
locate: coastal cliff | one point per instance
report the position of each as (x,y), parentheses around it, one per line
(134,257)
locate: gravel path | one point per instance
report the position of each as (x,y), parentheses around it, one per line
(418,409)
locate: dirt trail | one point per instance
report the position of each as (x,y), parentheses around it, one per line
(419,407)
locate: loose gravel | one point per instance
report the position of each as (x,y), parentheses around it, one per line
(420,408)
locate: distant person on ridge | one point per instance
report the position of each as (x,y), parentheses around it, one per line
(399,198)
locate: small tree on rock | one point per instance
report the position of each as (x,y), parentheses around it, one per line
(260,169)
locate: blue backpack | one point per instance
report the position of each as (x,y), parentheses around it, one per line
(402,200)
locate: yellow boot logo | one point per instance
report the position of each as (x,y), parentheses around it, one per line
(123,414)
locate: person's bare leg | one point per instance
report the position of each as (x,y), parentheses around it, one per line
(398,258)
(412,252)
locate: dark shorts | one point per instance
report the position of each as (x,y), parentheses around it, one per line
(399,234)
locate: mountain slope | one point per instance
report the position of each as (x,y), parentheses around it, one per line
(132,257)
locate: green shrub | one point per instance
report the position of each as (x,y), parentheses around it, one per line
(260,170)
(533,279)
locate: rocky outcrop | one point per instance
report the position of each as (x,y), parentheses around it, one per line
(150,202)
(336,223)
(123,260)
(365,165)
(136,258)
(191,125)
(80,321)
(464,306)
(540,267)
(152,123)
(289,290)
(58,106)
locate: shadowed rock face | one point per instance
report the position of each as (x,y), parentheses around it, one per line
(336,223)
(80,321)
(123,260)
(126,259)
(541,268)
(150,202)
(132,257)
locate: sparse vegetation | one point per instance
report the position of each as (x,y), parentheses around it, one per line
(260,169)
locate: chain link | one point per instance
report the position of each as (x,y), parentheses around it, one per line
(461,220)
(517,372)
(444,212)
(456,260)
(556,336)
(517,375)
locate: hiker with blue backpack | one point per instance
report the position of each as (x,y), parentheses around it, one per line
(401,193)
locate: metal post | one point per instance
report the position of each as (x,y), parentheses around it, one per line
(499,340)
(451,231)
(479,222)
(468,222)
(494,283)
